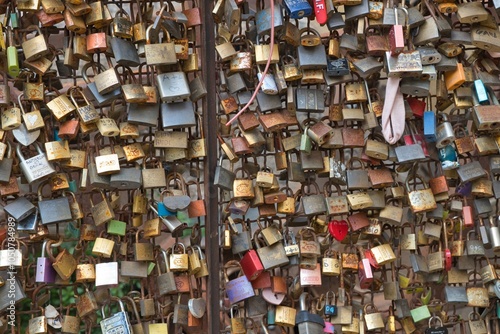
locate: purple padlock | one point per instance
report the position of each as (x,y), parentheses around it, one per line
(45,273)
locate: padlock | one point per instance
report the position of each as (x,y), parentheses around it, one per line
(11,117)
(436,329)
(420,200)
(35,47)
(311,57)
(396,35)
(239,288)
(476,324)
(64,263)
(45,273)
(87,113)
(101,212)
(179,262)
(38,325)
(107,81)
(173,86)
(392,214)
(308,322)
(117,322)
(165,282)
(330,264)
(143,251)
(365,273)
(33,120)
(85,303)
(357,179)
(85,270)
(383,254)
(471,171)
(70,324)
(20,209)
(474,247)
(37,167)
(486,117)
(56,210)
(103,247)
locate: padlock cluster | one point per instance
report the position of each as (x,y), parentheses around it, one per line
(358,166)
(102,159)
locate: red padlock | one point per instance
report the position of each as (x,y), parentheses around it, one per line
(369,256)
(320,11)
(251,265)
(417,106)
(338,229)
(447,251)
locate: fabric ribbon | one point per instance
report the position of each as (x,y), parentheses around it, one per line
(393,115)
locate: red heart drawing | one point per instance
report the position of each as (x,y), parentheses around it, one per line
(338,229)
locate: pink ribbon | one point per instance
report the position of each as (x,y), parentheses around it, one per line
(393,115)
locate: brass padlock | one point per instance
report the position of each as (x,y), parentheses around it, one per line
(179,262)
(35,47)
(143,251)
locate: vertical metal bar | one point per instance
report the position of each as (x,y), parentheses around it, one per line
(211,193)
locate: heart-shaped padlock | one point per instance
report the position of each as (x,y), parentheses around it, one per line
(338,229)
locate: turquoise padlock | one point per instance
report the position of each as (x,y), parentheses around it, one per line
(448,157)
(56,135)
(73,186)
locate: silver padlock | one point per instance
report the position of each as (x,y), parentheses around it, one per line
(54,210)
(20,208)
(173,86)
(178,115)
(494,234)
(37,167)
(143,113)
(444,132)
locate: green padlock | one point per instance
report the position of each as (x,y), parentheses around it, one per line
(426,298)
(12,56)
(305,142)
(117,227)
(151,266)
(420,313)
(183,216)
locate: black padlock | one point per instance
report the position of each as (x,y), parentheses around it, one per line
(436,330)
(306,322)
(330,304)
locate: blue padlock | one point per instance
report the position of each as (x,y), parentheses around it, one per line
(56,135)
(163,211)
(430,126)
(481,92)
(297,9)
(448,157)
